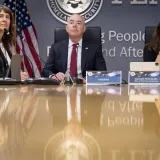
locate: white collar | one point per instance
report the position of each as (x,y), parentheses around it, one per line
(71,43)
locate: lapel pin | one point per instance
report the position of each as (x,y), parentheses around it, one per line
(86,48)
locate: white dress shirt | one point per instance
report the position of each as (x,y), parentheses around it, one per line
(79,51)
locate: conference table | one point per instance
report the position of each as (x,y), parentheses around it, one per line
(50,122)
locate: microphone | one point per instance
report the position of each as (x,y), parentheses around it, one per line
(24,40)
(6,32)
(31,48)
(33,74)
(42,80)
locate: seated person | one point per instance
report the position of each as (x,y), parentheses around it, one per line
(152,50)
(6,41)
(63,55)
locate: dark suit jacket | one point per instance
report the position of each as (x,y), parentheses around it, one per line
(92,58)
(3,65)
(149,55)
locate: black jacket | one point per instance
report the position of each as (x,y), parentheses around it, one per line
(149,55)
(92,58)
(3,65)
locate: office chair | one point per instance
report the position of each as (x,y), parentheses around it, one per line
(149,33)
(92,34)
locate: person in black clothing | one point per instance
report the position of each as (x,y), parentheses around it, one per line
(7,42)
(151,51)
(61,59)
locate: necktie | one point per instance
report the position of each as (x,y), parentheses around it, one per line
(73,64)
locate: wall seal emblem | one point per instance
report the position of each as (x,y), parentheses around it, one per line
(62,9)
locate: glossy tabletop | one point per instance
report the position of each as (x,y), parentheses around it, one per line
(79,122)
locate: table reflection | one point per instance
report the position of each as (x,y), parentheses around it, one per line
(79,123)
(74,141)
(17,113)
(149,96)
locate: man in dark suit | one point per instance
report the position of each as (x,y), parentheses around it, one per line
(74,54)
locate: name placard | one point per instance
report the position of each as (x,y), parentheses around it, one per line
(103,77)
(147,77)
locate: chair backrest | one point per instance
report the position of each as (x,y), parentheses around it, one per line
(149,33)
(92,34)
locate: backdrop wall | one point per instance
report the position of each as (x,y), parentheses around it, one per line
(122,29)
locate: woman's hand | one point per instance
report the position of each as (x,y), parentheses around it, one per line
(158,57)
(24,75)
